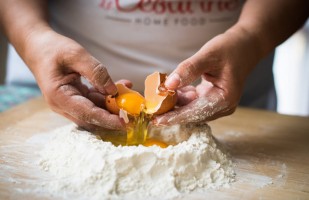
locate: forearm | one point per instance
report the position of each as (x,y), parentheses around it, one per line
(272,22)
(19,19)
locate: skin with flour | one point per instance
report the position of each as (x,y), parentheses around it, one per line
(224,62)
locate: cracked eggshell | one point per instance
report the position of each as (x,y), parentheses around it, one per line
(110,102)
(158,101)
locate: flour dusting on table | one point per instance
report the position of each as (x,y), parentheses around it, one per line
(84,166)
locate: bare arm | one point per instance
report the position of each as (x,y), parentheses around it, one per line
(225,61)
(58,63)
(19,19)
(272,22)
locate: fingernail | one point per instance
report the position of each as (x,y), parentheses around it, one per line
(172,81)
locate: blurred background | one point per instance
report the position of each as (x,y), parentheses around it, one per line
(291,71)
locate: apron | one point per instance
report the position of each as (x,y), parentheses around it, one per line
(134,38)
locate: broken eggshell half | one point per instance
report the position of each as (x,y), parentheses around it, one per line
(157,100)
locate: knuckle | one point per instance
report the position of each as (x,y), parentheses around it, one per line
(70,53)
(75,50)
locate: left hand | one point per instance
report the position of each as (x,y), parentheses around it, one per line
(223,64)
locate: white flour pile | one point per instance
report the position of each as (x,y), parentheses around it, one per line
(88,168)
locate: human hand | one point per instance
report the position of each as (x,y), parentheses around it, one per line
(58,63)
(223,64)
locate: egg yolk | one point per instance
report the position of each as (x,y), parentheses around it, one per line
(131,102)
(151,142)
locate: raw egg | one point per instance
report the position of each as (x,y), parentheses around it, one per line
(152,142)
(127,100)
(137,110)
(157,100)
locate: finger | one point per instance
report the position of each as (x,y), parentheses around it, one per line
(100,79)
(89,127)
(200,110)
(185,73)
(94,72)
(224,112)
(204,88)
(84,110)
(80,86)
(125,82)
(187,88)
(97,98)
(185,96)
(86,126)
(91,93)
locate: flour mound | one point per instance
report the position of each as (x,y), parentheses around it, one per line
(86,167)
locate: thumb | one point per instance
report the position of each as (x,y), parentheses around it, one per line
(97,75)
(186,72)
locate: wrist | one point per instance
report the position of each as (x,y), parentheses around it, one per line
(247,43)
(21,36)
(34,40)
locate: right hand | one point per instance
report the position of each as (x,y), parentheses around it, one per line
(223,65)
(58,63)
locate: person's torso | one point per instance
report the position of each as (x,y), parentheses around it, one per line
(134,38)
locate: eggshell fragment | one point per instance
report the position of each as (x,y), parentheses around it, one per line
(158,99)
(124,115)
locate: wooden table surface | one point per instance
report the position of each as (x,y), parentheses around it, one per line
(270,151)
